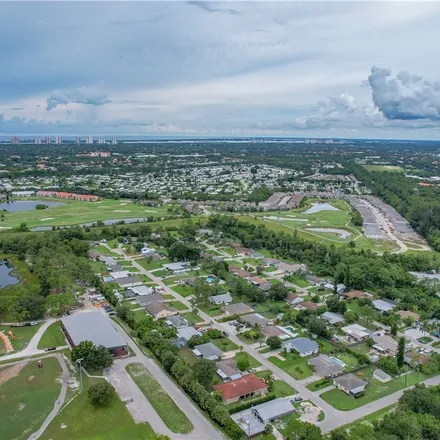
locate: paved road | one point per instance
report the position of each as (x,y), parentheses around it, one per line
(59,402)
(32,348)
(203,430)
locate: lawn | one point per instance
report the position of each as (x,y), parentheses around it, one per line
(225,344)
(169,412)
(139,315)
(130,304)
(230,251)
(160,273)
(187,355)
(154,264)
(254,363)
(375,390)
(320,384)
(52,337)
(211,310)
(82,420)
(73,212)
(22,336)
(177,305)
(183,289)
(293,365)
(98,267)
(28,398)
(192,317)
(105,251)
(301,282)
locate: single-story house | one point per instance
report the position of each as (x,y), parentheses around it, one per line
(274,409)
(255,319)
(208,351)
(244,251)
(177,322)
(180,267)
(142,290)
(242,273)
(384,305)
(303,346)
(291,268)
(381,376)
(94,327)
(233,268)
(224,298)
(159,310)
(108,261)
(314,280)
(227,370)
(147,251)
(129,282)
(273,330)
(261,283)
(147,299)
(353,294)
(293,299)
(239,389)
(350,384)
(236,309)
(186,333)
(271,261)
(326,366)
(356,332)
(404,314)
(120,274)
(189,281)
(309,305)
(332,318)
(414,358)
(385,345)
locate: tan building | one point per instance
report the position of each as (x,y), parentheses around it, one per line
(159,310)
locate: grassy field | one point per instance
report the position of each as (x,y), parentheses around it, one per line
(22,336)
(170,413)
(52,337)
(82,420)
(177,305)
(295,366)
(192,317)
(225,344)
(154,264)
(28,398)
(183,289)
(381,168)
(254,363)
(74,212)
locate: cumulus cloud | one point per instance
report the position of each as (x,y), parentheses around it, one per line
(83,95)
(405,96)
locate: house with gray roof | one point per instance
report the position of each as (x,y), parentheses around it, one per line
(208,351)
(228,370)
(146,299)
(180,267)
(270,411)
(351,385)
(236,309)
(303,346)
(177,322)
(224,298)
(332,318)
(255,319)
(326,366)
(186,333)
(129,281)
(384,305)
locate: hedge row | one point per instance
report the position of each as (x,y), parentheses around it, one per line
(248,405)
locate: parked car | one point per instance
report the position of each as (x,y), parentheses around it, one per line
(50,349)
(225,334)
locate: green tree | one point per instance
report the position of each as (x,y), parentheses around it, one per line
(243,363)
(93,357)
(204,371)
(273,342)
(101,393)
(400,355)
(278,292)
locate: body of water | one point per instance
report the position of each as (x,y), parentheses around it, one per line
(318,207)
(26,205)
(6,279)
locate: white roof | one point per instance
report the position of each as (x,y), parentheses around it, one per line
(383,306)
(356,331)
(187,332)
(142,290)
(120,274)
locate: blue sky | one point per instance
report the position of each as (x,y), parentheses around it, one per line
(332,69)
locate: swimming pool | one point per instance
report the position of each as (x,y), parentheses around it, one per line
(108,279)
(210,279)
(342,364)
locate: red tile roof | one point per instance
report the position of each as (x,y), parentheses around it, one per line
(242,386)
(309,305)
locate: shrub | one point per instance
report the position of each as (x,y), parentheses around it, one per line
(101,393)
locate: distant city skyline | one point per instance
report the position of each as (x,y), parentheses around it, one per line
(206,69)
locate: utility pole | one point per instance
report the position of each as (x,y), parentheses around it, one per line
(78,361)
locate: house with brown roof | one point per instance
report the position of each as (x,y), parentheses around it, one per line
(261,283)
(242,273)
(293,299)
(242,388)
(309,305)
(160,310)
(404,314)
(236,309)
(354,294)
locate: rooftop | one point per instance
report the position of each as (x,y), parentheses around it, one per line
(240,387)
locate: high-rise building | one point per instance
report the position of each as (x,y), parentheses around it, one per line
(58,140)
(47,140)
(15,140)
(78,140)
(37,141)
(89,140)
(101,141)
(114,140)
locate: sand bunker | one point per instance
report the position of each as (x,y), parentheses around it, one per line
(341,232)
(46,219)
(120,210)
(318,207)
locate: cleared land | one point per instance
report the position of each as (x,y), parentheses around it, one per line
(82,420)
(169,412)
(381,168)
(27,398)
(73,212)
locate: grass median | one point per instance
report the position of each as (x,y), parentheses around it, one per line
(165,407)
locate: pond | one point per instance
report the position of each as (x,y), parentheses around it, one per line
(26,205)
(318,207)
(6,279)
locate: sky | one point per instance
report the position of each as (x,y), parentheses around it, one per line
(193,68)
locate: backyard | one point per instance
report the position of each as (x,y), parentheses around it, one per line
(293,365)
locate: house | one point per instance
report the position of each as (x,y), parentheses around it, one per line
(147,299)
(242,273)
(354,294)
(208,351)
(385,345)
(177,322)
(120,274)
(224,298)
(129,282)
(332,318)
(351,385)
(384,305)
(244,251)
(326,366)
(274,409)
(340,288)
(255,319)
(186,333)
(271,262)
(303,346)
(142,290)
(236,309)
(308,305)
(356,332)
(293,299)
(177,268)
(381,376)
(314,280)
(227,370)
(94,327)
(261,283)
(291,268)
(405,314)
(159,310)
(233,268)
(272,330)
(413,358)
(147,251)
(242,388)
